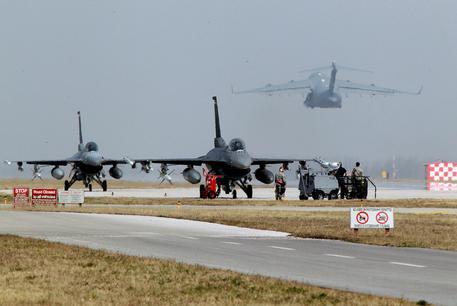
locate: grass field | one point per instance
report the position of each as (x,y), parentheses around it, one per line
(116,184)
(44,273)
(406,203)
(437,231)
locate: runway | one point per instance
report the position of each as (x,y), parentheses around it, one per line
(263,193)
(410,273)
(386,191)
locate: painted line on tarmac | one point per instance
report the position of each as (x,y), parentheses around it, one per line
(281,248)
(231,242)
(340,256)
(187,237)
(406,264)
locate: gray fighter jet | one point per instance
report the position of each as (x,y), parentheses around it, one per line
(324,91)
(230,163)
(87,165)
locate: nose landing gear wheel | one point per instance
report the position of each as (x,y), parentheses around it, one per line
(234,193)
(66,185)
(249,191)
(90,187)
(105,185)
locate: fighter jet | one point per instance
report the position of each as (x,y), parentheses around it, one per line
(324,91)
(230,163)
(87,165)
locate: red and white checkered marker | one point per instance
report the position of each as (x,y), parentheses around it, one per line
(440,186)
(442,172)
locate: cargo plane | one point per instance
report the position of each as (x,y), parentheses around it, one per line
(325,91)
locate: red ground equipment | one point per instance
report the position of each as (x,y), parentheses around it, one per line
(210,190)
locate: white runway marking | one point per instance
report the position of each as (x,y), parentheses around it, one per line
(281,248)
(340,256)
(188,237)
(231,242)
(406,264)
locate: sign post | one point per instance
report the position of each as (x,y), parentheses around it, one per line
(372,217)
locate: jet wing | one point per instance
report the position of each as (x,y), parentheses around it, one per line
(285,87)
(270,161)
(174,161)
(61,162)
(351,87)
(64,162)
(113,162)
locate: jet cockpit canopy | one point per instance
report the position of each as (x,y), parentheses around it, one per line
(91,146)
(237,144)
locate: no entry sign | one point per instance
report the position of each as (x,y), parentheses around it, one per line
(44,196)
(372,217)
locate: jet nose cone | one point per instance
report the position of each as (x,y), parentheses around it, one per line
(241,162)
(93,159)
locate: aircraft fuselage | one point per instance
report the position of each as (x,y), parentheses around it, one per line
(321,94)
(233,165)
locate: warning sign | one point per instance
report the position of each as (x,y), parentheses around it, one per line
(44,196)
(372,217)
(71,196)
(362,217)
(382,217)
(21,196)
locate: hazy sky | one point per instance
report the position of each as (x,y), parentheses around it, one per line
(143,72)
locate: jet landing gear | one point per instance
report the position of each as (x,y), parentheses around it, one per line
(103,184)
(246,187)
(87,182)
(214,183)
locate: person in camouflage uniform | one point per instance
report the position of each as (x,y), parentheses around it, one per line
(357,172)
(280,183)
(359,180)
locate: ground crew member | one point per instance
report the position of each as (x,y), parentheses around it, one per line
(357,171)
(280,183)
(357,175)
(339,174)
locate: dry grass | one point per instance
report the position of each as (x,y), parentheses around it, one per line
(45,273)
(406,203)
(116,184)
(437,231)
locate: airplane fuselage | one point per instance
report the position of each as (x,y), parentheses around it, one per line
(321,95)
(91,162)
(233,165)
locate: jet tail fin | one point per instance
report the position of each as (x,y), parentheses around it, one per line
(331,86)
(216,118)
(339,67)
(80,145)
(218,140)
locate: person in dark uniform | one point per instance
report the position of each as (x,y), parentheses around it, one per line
(340,172)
